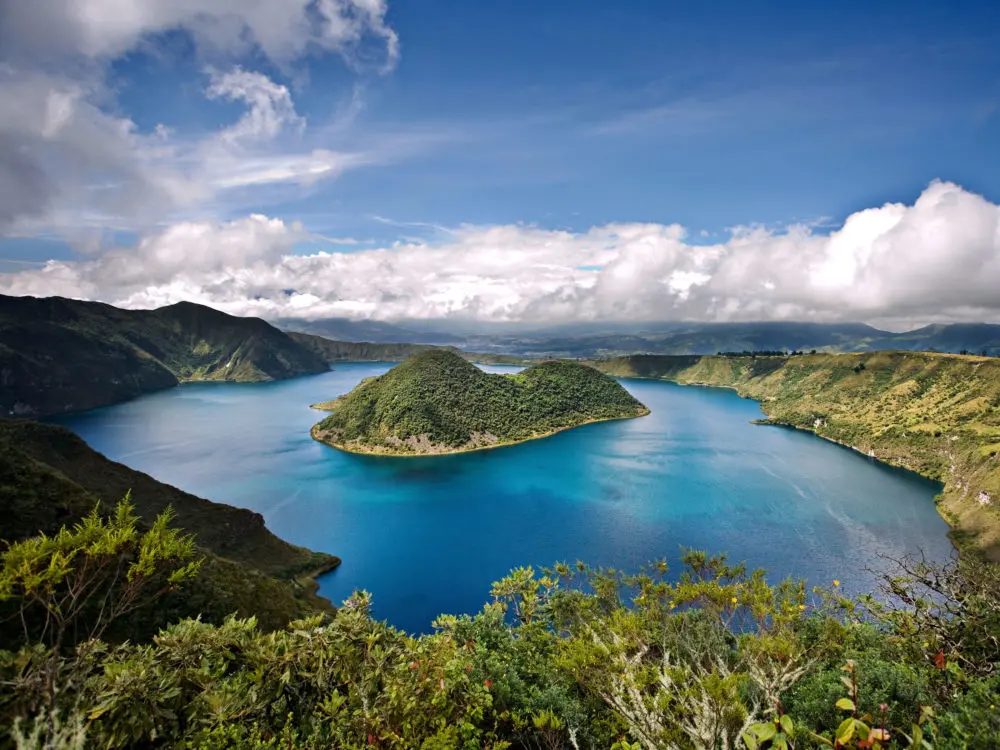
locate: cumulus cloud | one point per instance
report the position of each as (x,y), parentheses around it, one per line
(60,150)
(936,259)
(70,161)
(47,31)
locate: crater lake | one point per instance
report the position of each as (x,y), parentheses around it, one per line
(429,535)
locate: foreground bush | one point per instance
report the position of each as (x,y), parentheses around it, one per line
(716,657)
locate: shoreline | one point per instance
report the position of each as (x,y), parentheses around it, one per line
(956,531)
(313,432)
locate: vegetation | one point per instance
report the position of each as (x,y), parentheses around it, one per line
(437,402)
(59,355)
(715,657)
(592,340)
(50,478)
(935,414)
(350,351)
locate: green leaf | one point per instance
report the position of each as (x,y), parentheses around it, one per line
(845,704)
(765,731)
(846,730)
(786,724)
(749,741)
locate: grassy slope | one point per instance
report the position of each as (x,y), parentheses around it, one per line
(438,402)
(59,355)
(49,477)
(936,414)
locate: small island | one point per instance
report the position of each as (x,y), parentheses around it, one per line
(436,403)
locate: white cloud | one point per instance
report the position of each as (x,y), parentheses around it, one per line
(67,165)
(46,31)
(71,164)
(936,259)
(269,105)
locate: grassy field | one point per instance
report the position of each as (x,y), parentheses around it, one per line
(935,414)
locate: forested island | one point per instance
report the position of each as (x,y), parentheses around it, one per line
(436,402)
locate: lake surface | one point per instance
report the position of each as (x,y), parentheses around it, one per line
(429,535)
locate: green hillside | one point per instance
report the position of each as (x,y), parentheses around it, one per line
(437,402)
(366,351)
(59,355)
(49,477)
(936,414)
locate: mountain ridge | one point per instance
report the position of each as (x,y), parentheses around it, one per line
(59,355)
(597,339)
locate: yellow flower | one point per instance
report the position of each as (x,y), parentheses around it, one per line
(673,604)
(802,607)
(733,600)
(836,582)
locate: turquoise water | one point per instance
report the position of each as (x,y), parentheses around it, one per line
(429,535)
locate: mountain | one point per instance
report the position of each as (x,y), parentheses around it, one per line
(367,351)
(936,414)
(376,331)
(49,477)
(974,338)
(437,402)
(59,355)
(607,339)
(357,351)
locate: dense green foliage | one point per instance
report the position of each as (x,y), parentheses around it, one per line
(436,401)
(716,657)
(59,355)
(49,477)
(936,414)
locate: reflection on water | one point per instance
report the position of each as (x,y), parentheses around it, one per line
(429,535)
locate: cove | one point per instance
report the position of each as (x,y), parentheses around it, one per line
(428,535)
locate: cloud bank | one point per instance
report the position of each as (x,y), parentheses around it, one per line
(70,162)
(938,259)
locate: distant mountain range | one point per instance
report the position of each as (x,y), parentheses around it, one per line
(59,355)
(590,340)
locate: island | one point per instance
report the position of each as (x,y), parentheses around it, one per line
(436,402)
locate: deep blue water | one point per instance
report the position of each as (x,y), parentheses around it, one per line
(429,535)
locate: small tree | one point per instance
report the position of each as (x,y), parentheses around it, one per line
(71,586)
(68,589)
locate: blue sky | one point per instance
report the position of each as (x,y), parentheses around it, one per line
(556,115)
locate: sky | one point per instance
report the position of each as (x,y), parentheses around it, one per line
(516,161)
